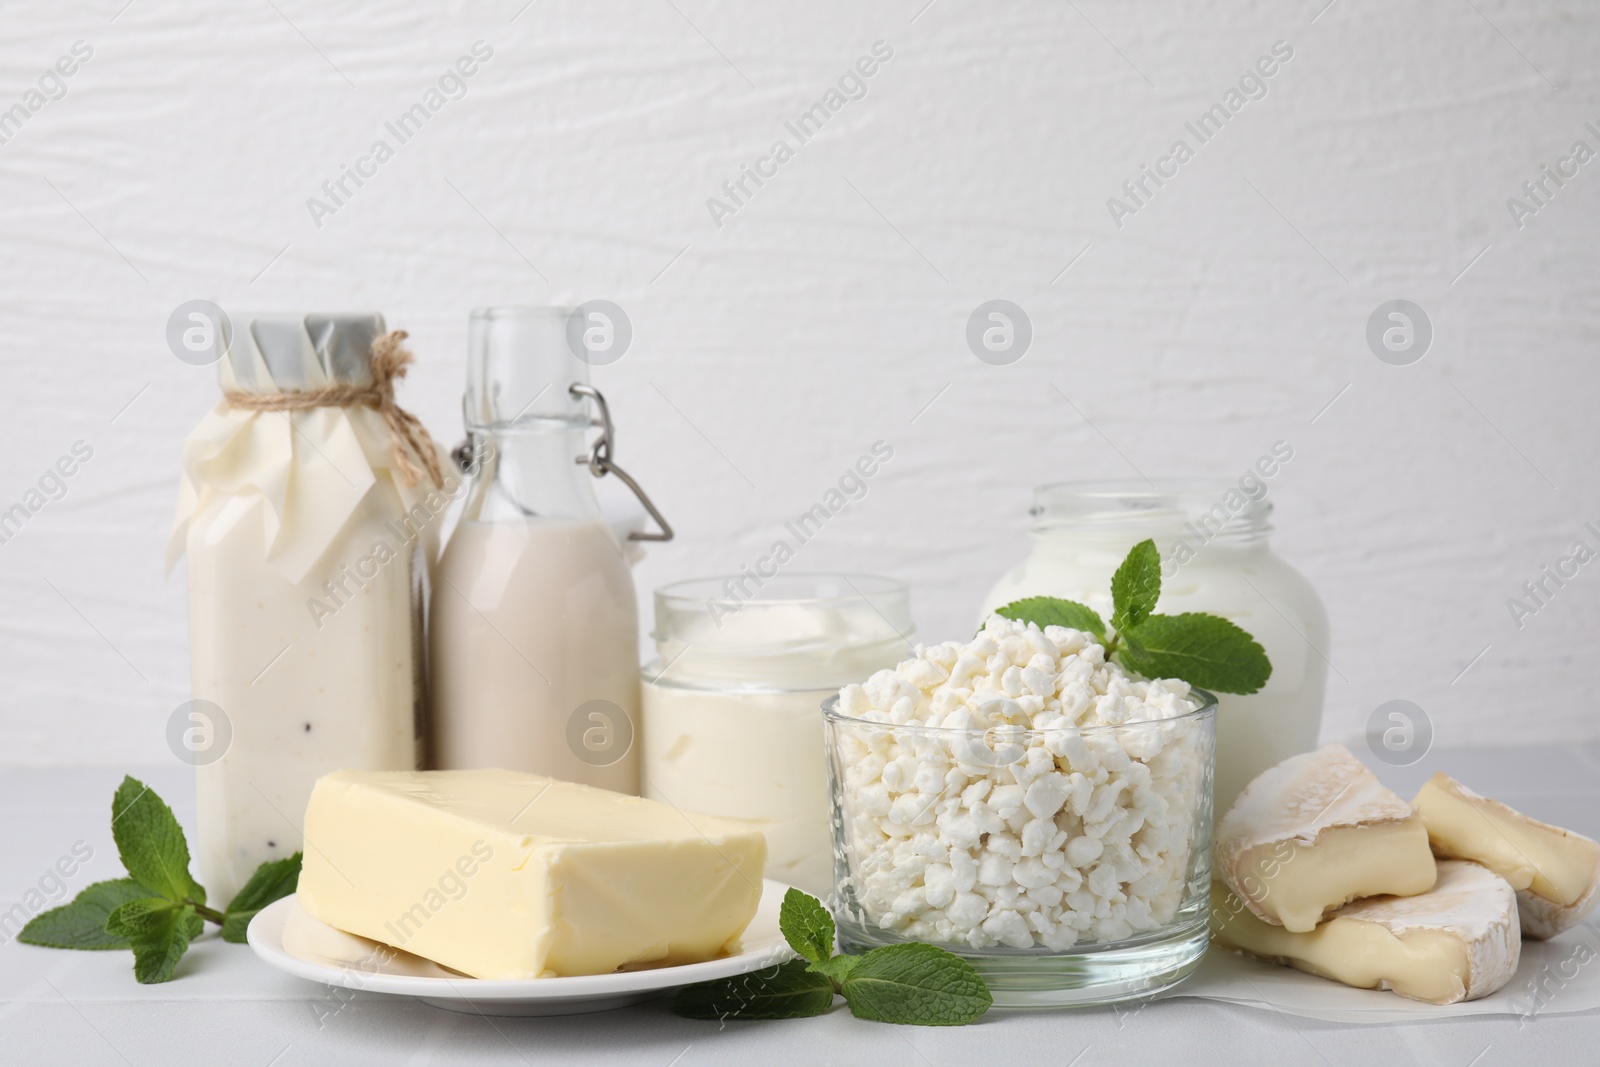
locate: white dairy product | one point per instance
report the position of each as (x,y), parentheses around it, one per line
(1019,790)
(308,557)
(342,695)
(1458,941)
(1083,532)
(1555,872)
(757,755)
(733,707)
(1315,832)
(534,624)
(508,876)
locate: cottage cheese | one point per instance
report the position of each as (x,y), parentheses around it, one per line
(1055,801)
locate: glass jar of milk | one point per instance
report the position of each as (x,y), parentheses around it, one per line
(534,629)
(1214,558)
(310,530)
(732,719)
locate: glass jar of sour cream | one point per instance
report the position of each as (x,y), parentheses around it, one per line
(1214,558)
(732,721)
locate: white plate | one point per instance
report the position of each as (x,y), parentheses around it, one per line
(356,963)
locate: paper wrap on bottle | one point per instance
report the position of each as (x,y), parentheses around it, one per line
(310,468)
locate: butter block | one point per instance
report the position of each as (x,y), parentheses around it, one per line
(1316,831)
(1555,872)
(1458,941)
(498,874)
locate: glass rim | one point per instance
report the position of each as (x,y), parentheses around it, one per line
(1137,487)
(1116,503)
(521,311)
(1207,709)
(711,588)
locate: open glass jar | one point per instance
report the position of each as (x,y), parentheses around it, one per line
(1214,558)
(1069,866)
(730,707)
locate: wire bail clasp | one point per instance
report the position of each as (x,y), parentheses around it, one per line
(599,461)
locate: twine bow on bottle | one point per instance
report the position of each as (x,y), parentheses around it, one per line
(389,360)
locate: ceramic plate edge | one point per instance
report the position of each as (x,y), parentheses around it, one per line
(265,931)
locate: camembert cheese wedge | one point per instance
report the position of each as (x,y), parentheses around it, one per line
(1316,831)
(1458,941)
(503,875)
(1555,872)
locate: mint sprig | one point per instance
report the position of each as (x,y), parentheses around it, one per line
(1202,649)
(161,908)
(82,923)
(159,931)
(1045,611)
(912,983)
(1136,586)
(273,880)
(915,983)
(790,990)
(806,925)
(151,843)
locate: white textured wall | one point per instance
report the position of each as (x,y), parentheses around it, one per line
(830,310)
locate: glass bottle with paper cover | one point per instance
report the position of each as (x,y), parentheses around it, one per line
(308,511)
(1216,558)
(535,634)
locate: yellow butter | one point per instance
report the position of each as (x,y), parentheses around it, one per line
(498,874)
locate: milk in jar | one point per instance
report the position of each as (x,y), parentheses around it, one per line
(1215,558)
(534,628)
(309,530)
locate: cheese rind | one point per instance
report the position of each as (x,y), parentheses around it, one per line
(1543,919)
(1458,941)
(504,875)
(1555,872)
(1315,832)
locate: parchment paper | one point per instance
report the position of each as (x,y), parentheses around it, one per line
(1554,977)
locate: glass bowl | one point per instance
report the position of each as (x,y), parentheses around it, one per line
(1069,866)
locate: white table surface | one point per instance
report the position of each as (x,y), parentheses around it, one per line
(225,1007)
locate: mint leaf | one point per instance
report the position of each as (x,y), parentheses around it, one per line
(158,930)
(272,881)
(137,917)
(1136,586)
(1203,650)
(151,843)
(918,984)
(82,923)
(806,925)
(788,991)
(1045,611)
(838,968)
(912,983)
